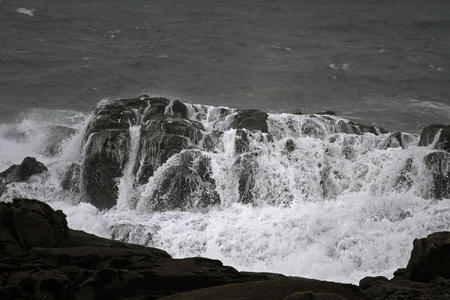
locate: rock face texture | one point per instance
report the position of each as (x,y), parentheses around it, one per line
(429,133)
(164,131)
(41,258)
(427,275)
(16,173)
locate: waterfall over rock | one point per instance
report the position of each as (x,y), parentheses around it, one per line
(302,194)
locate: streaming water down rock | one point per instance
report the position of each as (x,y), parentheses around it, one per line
(313,195)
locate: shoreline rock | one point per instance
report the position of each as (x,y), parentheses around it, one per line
(41,258)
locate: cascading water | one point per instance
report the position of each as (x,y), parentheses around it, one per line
(127,180)
(314,196)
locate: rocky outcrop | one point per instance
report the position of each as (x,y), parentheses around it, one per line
(251,119)
(438,163)
(41,258)
(429,133)
(16,173)
(186,183)
(427,275)
(164,131)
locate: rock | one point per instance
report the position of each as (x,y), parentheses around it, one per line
(430,258)
(293,288)
(41,258)
(352,127)
(107,145)
(246,166)
(251,119)
(185,183)
(25,224)
(427,275)
(161,138)
(179,109)
(438,163)
(429,134)
(71,178)
(29,167)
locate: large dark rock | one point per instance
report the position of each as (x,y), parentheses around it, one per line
(427,276)
(430,258)
(164,131)
(41,258)
(251,119)
(438,163)
(16,173)
(292,289)
(25,224)
(429,135)
(107,146)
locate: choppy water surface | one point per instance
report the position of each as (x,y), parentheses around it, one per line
(381,61)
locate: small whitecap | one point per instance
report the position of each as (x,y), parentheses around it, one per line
(345,67)
(25,11)
(332,66)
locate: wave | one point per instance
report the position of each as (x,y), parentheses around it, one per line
(312,195)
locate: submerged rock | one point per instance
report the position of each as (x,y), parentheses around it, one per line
(429,133)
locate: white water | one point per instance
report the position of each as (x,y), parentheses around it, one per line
(364,225)
(126,182)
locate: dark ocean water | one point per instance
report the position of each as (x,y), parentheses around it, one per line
(383,62)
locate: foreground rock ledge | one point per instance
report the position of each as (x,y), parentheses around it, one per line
(41,258)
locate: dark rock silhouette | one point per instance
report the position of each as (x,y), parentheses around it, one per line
(16,173)
(438,163)
(41,258)
(427,275)
(251,119)
(429,134)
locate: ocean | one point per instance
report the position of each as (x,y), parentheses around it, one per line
(379,63)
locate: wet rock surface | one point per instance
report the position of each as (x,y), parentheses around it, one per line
(427,275)
(41,258)
(16,173)
(429,133)
(438,163)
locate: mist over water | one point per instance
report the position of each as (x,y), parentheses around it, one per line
(348,219)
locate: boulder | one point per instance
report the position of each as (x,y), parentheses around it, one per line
(251,119)
(438,163)
(25,224)
(429,133)
(184,183)
(427,276)
(41,258)
(27,168)
(430,258)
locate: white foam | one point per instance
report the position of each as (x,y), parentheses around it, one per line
(25,11)
(364,225)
